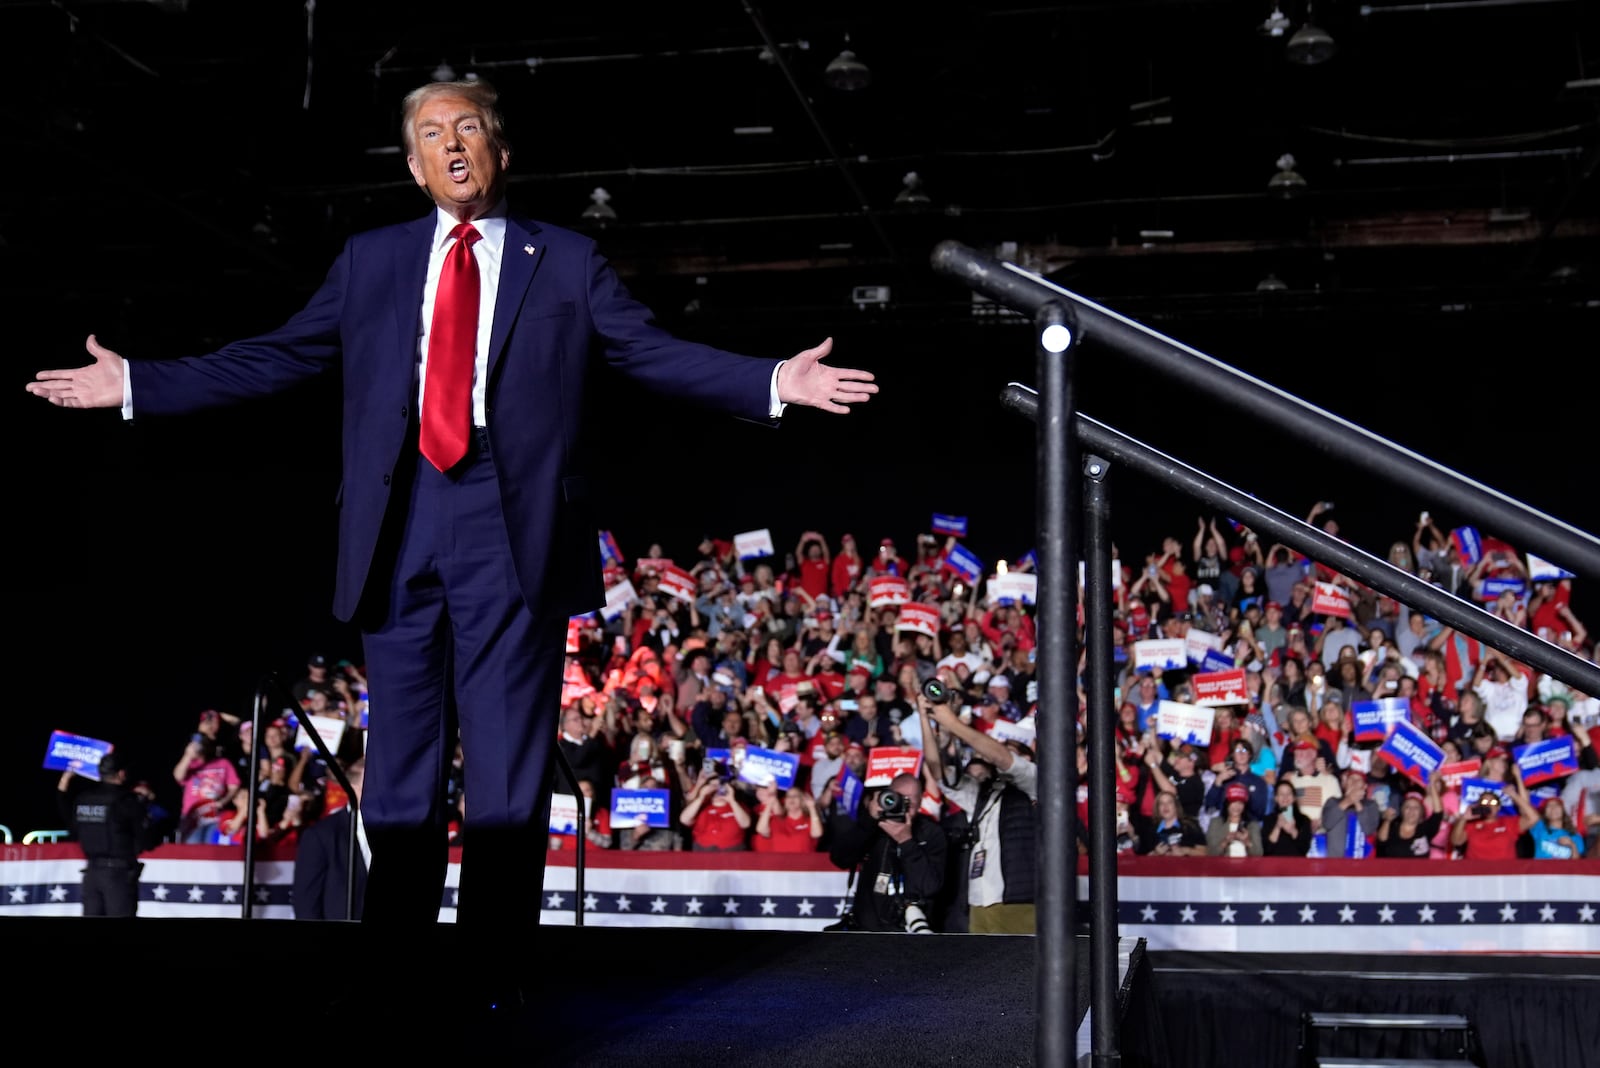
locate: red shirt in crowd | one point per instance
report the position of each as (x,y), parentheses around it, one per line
(1492,839)
(716,826)
(814,576)
(846,572)
(789,835)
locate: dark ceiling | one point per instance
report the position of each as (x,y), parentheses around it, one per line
(1448,150)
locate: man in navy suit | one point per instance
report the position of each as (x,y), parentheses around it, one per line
(462,579)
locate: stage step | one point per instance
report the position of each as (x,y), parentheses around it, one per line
(1391,1062)
(1454,1042)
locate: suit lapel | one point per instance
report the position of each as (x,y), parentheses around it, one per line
(519,260)
(410,274)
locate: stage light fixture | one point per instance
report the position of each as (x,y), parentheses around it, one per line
(1276,24)
(599,210)
(912,197)
(444,72)
(1271,284)
(847,73)
(1311,44)
(1287,182)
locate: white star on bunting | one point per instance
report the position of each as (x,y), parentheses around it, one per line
(1508,913)
(805,906)
(1467,913)
(18,895)
(1186,914)
(590,903)
(58,893)
(769,907)
(160,893)
(840,906)
(1308,914)
(658,905)
(1586,914)
(1148,914)
(693,906)
(1227,914)
(1386,915)
(455,899)
(1547,913)
(263,895)
(229,895)
(1347,915)
(730,907)
(624,903)
(196,894)
(554,900)
(1268,914)
(1425,914)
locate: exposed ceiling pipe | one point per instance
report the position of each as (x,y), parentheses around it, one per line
(1449,5)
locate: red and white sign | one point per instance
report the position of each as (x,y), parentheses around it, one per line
(753,544)
(574,632)
(1331,600)
(1014,587)
(1185,723)
(1165,653)
(575,685)
(883,590)
(618,598)
(919,618)
(1220,688)
(678,582)
(646,564)
(886,762)
(1452,774)
(1025,730)
(1200,642)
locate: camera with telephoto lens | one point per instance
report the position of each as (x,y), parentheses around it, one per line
(893,806)
(936,691)
(917,920)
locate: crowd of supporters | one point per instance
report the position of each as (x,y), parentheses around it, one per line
(706,658)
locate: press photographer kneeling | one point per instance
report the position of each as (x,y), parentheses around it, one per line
(896,856)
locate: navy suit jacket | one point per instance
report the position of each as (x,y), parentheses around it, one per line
(560,307)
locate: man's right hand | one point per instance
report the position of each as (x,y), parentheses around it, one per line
(99,385)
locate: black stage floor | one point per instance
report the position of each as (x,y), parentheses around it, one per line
(616,997)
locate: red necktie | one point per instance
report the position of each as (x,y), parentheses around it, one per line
(452,352)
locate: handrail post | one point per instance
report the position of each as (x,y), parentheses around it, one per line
(1101,736)
(1059,498)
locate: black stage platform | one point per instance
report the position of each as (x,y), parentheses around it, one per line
(601,996)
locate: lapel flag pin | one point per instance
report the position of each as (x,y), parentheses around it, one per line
(528,249)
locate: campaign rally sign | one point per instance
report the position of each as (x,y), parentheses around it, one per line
(850,789)
(646,565)
(1472,789)
(1361,760)
(1469,543)
(768,767)
(1541,570)
(1330,600)
(919,618)
(953,525)
(631,808)
(1197,643)
(610,554)
(964,562)
(1185,723)
(886,762)
(1453,773)
(618,598)
(1491,589)
(1374,718)
(1116,571)
(1030,559)
(884,590)
(1164,653)
(1553,758)
(1024,731)
(678,582)
(1214,688)
(753,544)
(76,753)
(1411,752)
(329,728)
(1014,587)
(574,634)
(563,814)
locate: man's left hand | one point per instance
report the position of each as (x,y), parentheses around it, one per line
(804,379)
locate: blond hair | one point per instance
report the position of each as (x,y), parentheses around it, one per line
(478,91)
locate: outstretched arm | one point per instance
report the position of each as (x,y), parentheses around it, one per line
(98,385)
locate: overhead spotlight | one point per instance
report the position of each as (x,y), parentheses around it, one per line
(912,197)
(847,73)
(444,72)
(1271,284)
(1276,24)
(1311,44)
(1287,182)
(600,210)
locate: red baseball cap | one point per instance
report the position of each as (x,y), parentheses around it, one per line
(1237,791)
(1306,743)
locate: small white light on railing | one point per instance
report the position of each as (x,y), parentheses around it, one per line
(1055,338)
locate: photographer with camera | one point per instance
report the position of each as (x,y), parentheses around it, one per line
(1489,828)
(896,856)
(997,790)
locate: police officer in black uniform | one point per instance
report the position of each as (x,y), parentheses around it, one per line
(112,826)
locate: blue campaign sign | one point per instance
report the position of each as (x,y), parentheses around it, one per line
(964,562)
(75,753)
(1491,589)
(1029,559)
(609,553)
(1374,718)
(1216,660)
(630,808)
(1411,752)
(1553,758)
(850,789)
(1469,543)
(768,767)
(955,525)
